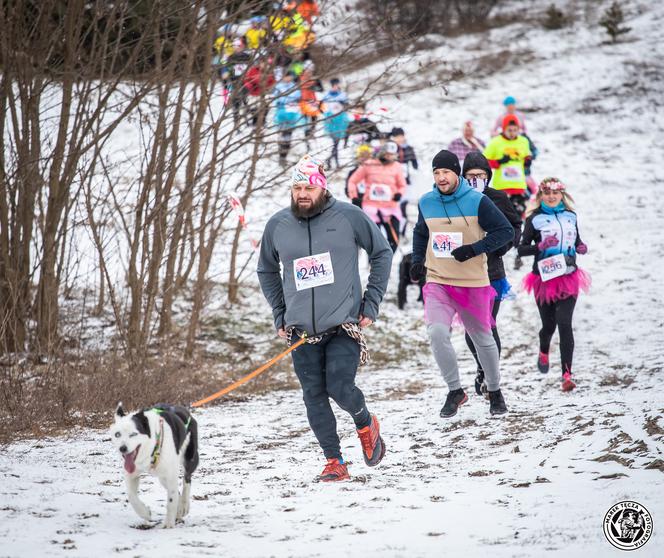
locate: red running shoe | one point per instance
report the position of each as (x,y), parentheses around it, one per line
(373,446)
(334,471)
(568,384)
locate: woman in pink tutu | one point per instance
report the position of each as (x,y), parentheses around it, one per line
(551,234)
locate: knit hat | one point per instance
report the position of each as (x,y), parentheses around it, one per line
(363,150)
(310,171)
(509,120)
(475,160)
(509,100)
(552,183)
(390,147)
(445,159)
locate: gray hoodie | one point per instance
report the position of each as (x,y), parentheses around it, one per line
(317,294)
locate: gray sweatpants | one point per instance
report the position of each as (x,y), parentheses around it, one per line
(440,309)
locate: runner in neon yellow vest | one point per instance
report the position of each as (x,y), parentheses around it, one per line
(510,154)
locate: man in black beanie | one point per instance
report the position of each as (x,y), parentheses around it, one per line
(477,171)
(445,159)
(456,227)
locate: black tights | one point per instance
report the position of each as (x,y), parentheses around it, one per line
(494,331)
(285,137)
(558,314)
(335,153)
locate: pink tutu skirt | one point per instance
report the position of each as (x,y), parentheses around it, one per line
(469,307)
(557,288)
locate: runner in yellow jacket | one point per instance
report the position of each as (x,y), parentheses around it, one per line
(510,154)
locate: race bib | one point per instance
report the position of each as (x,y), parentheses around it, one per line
(442,243)
(512,173)
(380,193)
(313,271)
(552,267)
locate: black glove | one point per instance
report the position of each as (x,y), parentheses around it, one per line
(463,253)
(417,272)
(357,202)
(527,162)
(396,197)
(504,159)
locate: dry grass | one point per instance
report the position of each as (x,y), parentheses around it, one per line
(47,399)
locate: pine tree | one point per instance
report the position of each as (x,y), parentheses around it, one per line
(612,21)
(555,19)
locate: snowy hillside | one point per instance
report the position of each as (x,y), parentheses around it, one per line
(536,483)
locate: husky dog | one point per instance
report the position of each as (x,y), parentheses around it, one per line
(160,441)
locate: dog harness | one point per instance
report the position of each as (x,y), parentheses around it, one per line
(156,452)
(170,415)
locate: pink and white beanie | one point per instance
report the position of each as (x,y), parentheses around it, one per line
(311,171)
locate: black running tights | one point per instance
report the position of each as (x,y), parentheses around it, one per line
(558,314)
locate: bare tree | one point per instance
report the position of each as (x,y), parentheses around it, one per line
(113,128)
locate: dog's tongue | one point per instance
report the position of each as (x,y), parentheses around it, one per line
(129,464)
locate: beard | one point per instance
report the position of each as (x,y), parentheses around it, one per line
(314,209)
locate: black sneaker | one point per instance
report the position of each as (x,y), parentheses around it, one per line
(455,399)
(480,384)
(518,262)
(497,403)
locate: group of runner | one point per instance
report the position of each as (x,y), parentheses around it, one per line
(269,65)
(474,213)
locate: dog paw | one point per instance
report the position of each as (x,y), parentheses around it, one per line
(145,513)
(183,509)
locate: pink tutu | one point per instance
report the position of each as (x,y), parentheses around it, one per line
(557,288)
(449,304)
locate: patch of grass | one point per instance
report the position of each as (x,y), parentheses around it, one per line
(613,379)
(49,399)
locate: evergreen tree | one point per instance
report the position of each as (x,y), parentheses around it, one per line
(555,19)
(612,21)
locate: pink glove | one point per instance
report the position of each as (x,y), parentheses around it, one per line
(582,249)
(547,242)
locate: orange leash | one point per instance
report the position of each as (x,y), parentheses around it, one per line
(394,234)
(249,376)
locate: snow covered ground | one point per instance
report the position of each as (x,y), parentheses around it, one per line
(535,483)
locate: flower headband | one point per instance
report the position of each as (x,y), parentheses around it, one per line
(311,171)
(552,184)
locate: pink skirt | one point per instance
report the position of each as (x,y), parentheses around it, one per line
(557,288)
(450,305)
